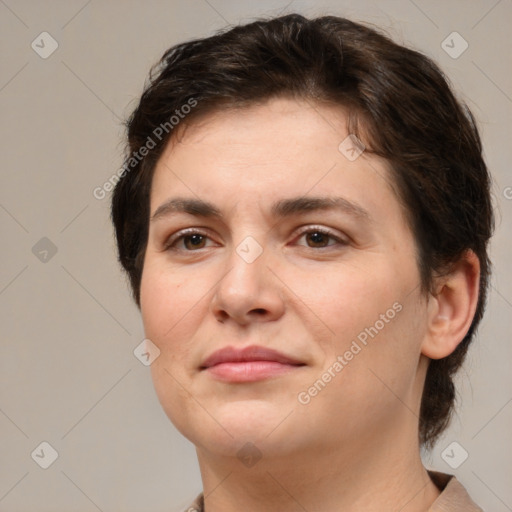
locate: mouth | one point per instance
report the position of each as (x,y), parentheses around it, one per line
(250,364)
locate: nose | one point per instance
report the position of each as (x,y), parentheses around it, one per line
(248,292)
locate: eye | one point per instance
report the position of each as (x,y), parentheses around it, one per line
(192,240)
(188,240)
(318,238)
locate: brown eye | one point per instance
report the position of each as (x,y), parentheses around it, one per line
(192,242)
(188,241)
(316,238)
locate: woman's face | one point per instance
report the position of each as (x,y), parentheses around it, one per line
(334,290)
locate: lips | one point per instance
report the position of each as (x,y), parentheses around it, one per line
(249,364)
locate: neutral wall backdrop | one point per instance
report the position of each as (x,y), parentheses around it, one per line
(68,375)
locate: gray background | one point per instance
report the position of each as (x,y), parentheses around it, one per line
(68,375)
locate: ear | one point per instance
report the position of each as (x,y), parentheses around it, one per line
(452,308)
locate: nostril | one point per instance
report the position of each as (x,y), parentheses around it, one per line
(222,315)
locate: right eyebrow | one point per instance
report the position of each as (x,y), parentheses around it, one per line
(184,205)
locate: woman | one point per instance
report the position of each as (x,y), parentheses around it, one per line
(304,215)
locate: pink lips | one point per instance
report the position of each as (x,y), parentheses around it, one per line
(249,364)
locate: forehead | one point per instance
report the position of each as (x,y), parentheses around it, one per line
(246,125)
(263,151)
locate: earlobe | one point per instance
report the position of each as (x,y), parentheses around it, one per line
(452,308)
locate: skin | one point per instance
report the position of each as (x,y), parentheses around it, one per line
(354,445)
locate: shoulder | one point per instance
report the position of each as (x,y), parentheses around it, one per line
(197,505)
(453,497)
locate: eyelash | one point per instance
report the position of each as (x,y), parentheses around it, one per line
(170,244)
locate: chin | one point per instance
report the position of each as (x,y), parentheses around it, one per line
(229,426)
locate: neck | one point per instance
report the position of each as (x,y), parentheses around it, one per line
(375,473)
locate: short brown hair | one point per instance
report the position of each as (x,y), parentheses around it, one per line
(400,99)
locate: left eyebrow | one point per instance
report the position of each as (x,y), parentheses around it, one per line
(304,204)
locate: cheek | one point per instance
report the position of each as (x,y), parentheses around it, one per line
(176,401)
(350,299)
(155,298)
(173,306)
(166,301)
(167,308)
(374,364)
(388,346)
(375,322)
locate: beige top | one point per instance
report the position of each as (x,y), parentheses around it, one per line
(453,497)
